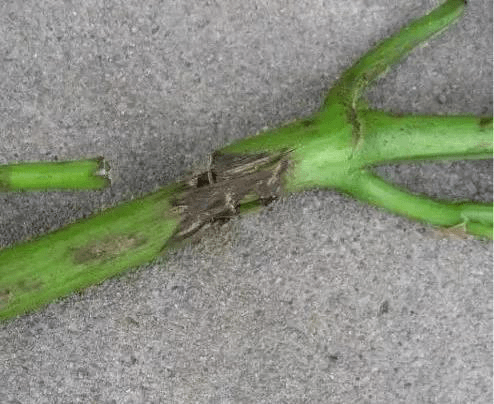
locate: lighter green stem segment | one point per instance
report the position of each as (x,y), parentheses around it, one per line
(391,138)
(335,149)
(74,175)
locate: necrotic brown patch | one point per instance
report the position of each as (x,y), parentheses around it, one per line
(22,286)
(230,182)
(485,122)
(5,295)
(109,247)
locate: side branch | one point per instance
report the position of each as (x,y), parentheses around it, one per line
(377,61)
(474,218)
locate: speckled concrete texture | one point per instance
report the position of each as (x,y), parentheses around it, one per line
(319,298)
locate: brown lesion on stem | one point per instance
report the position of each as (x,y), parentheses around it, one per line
(19,287)
(110,246)
(5,295)
(229,181)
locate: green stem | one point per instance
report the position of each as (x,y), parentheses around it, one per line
(377,61)
(391,138)
(480,229)
(289,136)
(73,175)
(370,188)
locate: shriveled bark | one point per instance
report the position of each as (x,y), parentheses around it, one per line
(231,181)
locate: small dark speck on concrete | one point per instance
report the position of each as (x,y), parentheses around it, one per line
(441,99)
(384,307)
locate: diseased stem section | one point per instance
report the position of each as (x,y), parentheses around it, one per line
(85,253)
(230,182)
(332,149)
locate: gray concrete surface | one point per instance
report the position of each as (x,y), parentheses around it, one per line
(319,299)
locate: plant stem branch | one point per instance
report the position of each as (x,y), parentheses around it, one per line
(332,149)
(378,60)
(370,188)
(74,175)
